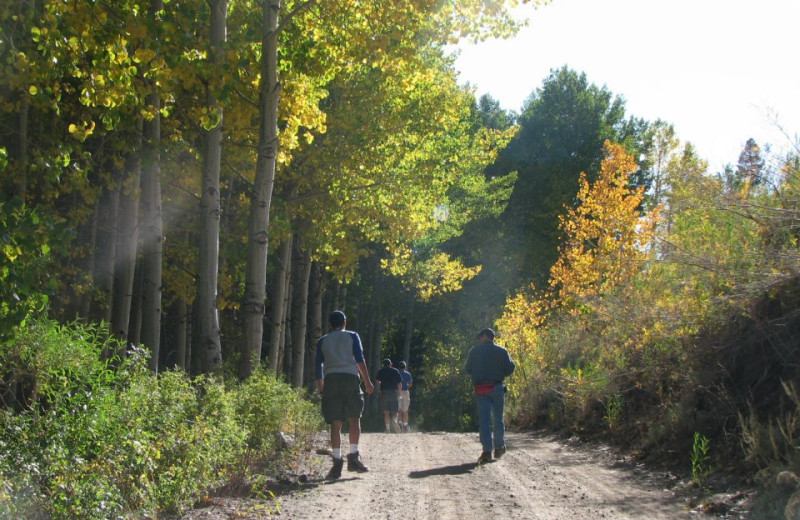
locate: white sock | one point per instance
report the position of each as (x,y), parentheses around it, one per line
(337,453)
(353,448)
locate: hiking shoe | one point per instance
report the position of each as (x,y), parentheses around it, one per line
(354,463)
(486,456)
(336,470)
(498,452)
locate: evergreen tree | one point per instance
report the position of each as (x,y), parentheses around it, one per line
(563,126)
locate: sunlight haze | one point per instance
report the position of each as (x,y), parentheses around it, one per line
(720,71)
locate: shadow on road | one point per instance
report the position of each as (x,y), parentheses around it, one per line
(458,469)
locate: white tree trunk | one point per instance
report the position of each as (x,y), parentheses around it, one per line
(258,231)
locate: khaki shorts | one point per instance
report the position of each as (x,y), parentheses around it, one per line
(341,397)
(405,401)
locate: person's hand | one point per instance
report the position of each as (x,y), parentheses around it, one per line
(368,386)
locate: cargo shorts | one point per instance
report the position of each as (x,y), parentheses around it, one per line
(342,397)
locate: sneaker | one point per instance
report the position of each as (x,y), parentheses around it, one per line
(486,456)
(336,470)
(354,463)
(498,452)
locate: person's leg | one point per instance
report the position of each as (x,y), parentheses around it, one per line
(355,430)
(393,411)
(386,420)
(498,401)
(484,421)
(336,434)
(354,458)
(336,446)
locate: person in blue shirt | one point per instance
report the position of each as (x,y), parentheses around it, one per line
(339,362)
(488,364)
(405,397)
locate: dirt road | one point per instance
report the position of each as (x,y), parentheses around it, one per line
(434,476)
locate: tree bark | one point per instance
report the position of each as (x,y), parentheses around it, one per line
(152,222)
(300,313)
(207,342)
(258,232)
(409,327)
(152,231)
(135,327)
(279,295)
(126,236)
(99,264)
(181,324)
(315,320)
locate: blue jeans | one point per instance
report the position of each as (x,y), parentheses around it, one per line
(490,413)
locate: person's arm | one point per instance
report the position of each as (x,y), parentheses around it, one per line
(362,369)
(358,355)
(510,366)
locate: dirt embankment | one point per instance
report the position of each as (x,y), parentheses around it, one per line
(434,475)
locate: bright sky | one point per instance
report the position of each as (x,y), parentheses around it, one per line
(721,71)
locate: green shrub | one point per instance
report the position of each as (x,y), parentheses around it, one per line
(101,440)
(266,406)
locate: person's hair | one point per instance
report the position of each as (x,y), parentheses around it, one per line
(486,332)
(402,364)
(387,362)
(337,319)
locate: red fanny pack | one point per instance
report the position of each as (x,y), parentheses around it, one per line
(484,388)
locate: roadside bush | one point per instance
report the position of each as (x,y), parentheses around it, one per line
(107,440)
(266,407)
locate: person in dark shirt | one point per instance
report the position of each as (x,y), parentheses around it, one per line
(488,364)
(338,363)
(391,383)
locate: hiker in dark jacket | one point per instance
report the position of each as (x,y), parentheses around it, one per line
(489,364)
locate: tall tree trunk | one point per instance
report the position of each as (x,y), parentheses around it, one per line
(315,318)
(258,232)
(300,313)
(127,237)
(280,291)
(285,350)
(105,245)
(135,326)
(207,338)
(99,265)
(152,235)
(409,327)
(152,221)
(181,333)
